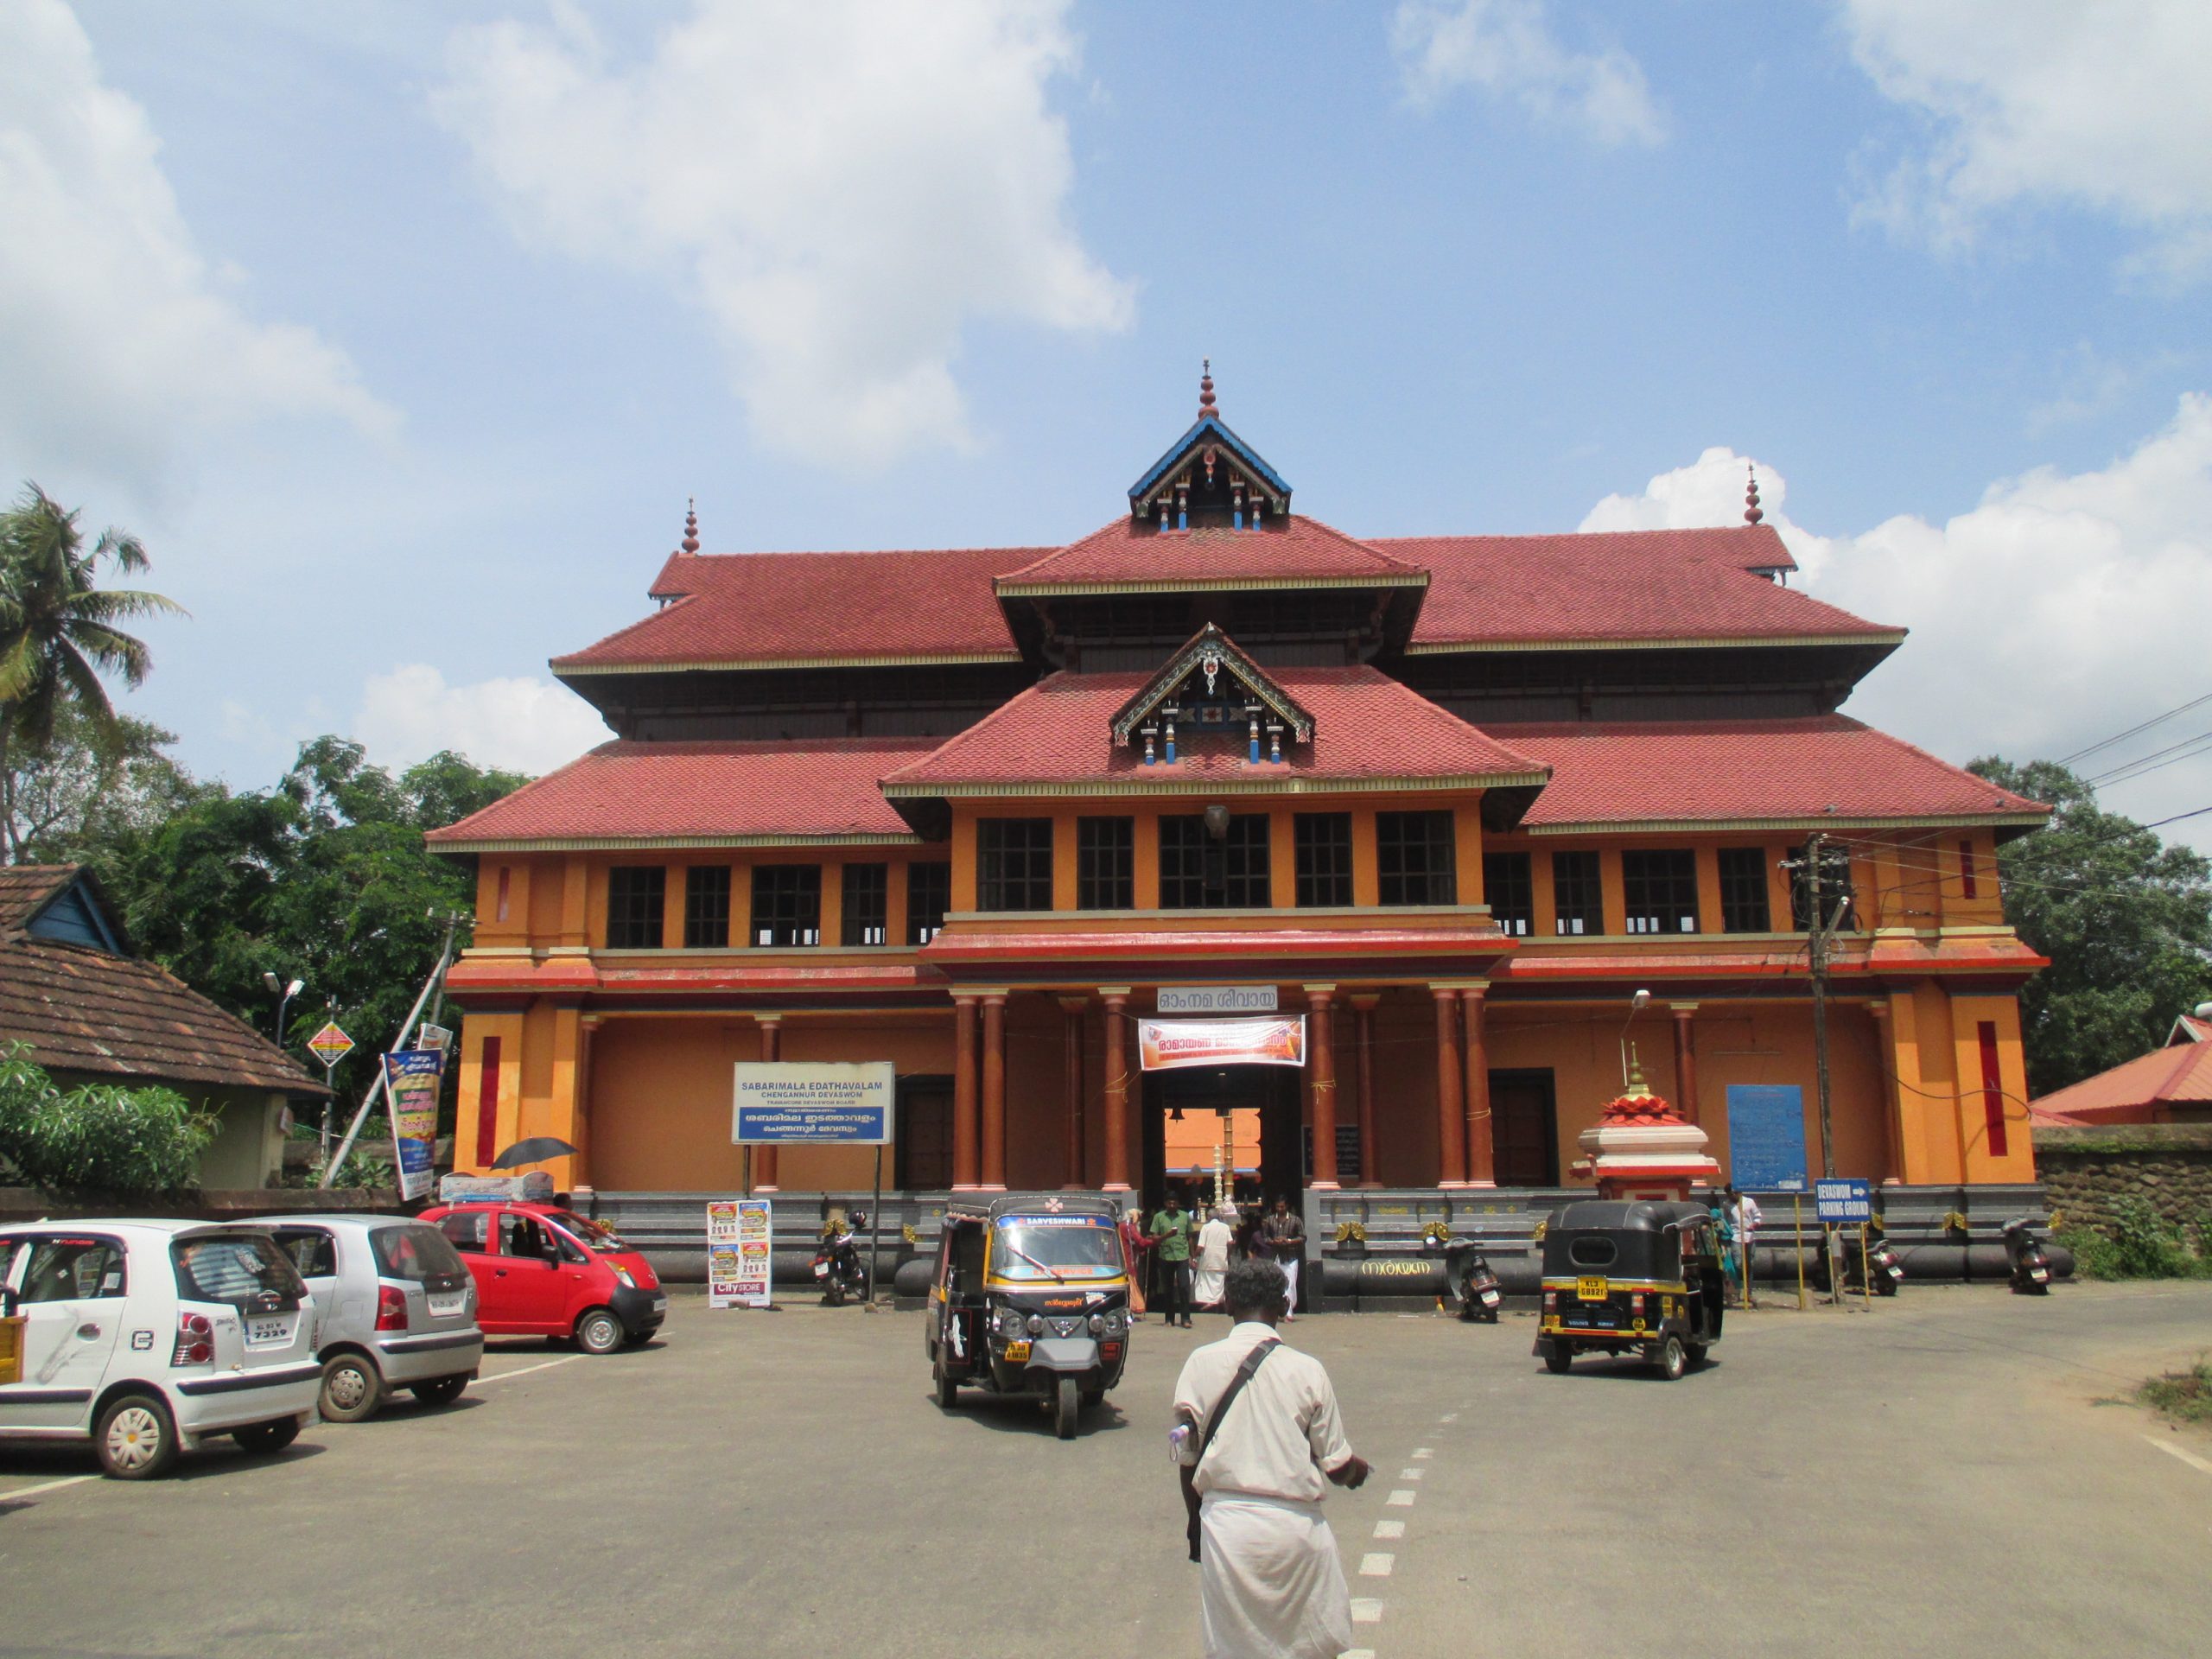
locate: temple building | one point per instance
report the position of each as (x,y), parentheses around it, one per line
(1452,800)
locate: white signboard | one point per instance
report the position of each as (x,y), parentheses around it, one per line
(1216,999)
(740,1232)
(813,1103)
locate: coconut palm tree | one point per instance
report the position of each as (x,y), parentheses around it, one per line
(58,628)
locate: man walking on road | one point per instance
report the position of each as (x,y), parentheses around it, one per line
(1285,1233)
(1259,1441)
(1171,1227)
(1211,1262)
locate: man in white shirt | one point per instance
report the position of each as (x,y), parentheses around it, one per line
(1211,1259)
(1270,1585)
(1747,1226)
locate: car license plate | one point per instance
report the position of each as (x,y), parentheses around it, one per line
(1017,1352)
(445,1306)
(1590,1289)
(260,1334)
(660,1304)
(821,1270)
(2039,1274)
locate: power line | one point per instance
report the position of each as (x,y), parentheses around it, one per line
(2156,720)
(2125,768)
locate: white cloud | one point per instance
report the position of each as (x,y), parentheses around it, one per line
(840,185)
(520,724)
(1506,48)
(117,339)
(1711,491)
(2038,102)
(2060,610)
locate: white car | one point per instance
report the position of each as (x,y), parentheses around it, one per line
(148,1337)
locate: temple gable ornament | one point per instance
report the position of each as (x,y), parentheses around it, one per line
(1212,690)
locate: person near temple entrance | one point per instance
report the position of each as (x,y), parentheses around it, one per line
(1171,1227)
(1285,1232)
(1211,1262)
(1257,1434)
(1136,1244)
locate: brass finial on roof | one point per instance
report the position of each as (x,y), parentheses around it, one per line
(1206,411)
(691,524)
(1752,513)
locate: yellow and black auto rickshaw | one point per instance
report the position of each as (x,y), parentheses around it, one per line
(1638,1276)
(1030,1296)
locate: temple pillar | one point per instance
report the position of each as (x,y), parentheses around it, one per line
(1685,1060)
(1893,1112)
(1321,1080)
(965,1134)
(994,1112)
(1071,1012)
(764,1158)
(1362,1019)
(1482,1162)
(1114,1166)
(1450,1126)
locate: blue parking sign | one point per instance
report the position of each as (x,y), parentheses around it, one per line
(1849,1201)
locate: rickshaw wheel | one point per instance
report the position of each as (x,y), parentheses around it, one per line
(1697,1351)
(1674,1359)
(1092,1397)
(1558,1358)
(1067,1398)
(948,1391)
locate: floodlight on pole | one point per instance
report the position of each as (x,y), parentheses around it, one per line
(283,993)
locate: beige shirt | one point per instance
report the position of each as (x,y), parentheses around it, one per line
(1280,1432)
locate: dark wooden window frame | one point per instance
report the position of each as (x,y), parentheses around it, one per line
(1578,894)
(1198,872)
(1415,858)
(637,901)
(786,906)
(706,907)
(1322,852)
(1659,889)
(1105,863)
(864,913)
(1510,890)
(1013,864)
(1746,902)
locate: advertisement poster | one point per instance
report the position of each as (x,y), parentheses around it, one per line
(755,1233)
(807,1103)
(411,1076)
(1165,1045)
(722,1254)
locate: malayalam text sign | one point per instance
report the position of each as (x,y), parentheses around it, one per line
(812,1103)
(1845,1199)
(330,1044)
(1766,1137)
(412,1078)
(1216,999)
(1168,1045)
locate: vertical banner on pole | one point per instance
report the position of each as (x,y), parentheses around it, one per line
(754,1285)
(412,1077)
(724,1256)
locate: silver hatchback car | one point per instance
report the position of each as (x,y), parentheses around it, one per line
(395,1308)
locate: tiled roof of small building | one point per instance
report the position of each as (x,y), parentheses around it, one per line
(703,793)
(2133,1091)
(1673,585)
(86,1009)
(1297,551)
(762,609)
(1818,770)
(1368,730)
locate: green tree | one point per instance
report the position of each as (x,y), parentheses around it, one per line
(59,630)
(2125,920)
(88,784)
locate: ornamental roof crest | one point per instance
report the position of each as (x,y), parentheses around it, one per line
(1209,475)
(1212,687)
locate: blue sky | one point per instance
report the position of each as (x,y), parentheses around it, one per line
(401,334)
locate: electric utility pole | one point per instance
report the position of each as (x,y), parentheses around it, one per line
(1820,924)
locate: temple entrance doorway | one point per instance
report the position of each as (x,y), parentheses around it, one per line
(1251,1113)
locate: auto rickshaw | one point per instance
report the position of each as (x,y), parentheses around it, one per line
(1636,1277)
(1030,1296)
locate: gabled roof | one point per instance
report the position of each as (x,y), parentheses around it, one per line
(1210,639)
(1214,429)
(1824,772)
(779,610)
(2135,1091)
(1127,556)
(1670,587)
(85,1008)
(1370,732)
(699,794)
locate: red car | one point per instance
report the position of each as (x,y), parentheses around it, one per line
(542,1271)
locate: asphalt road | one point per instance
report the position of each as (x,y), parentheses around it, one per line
(1935,1477)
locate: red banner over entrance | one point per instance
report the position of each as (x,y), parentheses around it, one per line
(1166,1044)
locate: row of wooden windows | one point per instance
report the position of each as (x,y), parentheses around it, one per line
(785,910)
(1200,869)
(1659,891)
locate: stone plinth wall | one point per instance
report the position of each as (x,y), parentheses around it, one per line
(2088,1171)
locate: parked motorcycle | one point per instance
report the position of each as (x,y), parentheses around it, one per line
(838,1263)
(1883,1266)
(2030,1263)
(1472,1283)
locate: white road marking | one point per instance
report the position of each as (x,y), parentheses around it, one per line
(1365,1610)
(1377,1564)
(509,1377)
(46,1486)
(1449,1417)
(1359,1653)
(2181,1452)
(1402,1498)
(1420,1452)
(1389,1528)
(1411,1474)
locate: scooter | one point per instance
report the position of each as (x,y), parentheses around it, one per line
(1472,1283)
(2031,1265)
(838,1263)
(1883,1266)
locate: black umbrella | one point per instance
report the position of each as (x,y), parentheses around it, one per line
(536,1150)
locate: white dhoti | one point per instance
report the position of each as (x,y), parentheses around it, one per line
(1205,1286)
(1270,1585)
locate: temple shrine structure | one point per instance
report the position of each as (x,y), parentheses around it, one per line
(1449,801)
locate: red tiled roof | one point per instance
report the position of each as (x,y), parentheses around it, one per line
(86,1009)
(802,607)
(702,792)
(1823,769)
(2133,1091)
(1293,549)
(1367,726)
(1646,584)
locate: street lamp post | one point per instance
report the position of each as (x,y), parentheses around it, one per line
(283,994)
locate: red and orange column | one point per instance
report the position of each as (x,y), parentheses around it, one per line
(1321,1080)
(993,1113)
(1482,1162)
(1071,1012)
(1685,1059)
(965,1130)
(764,1158)
(1362,1025)
(1113,1164)
(1451,1123)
